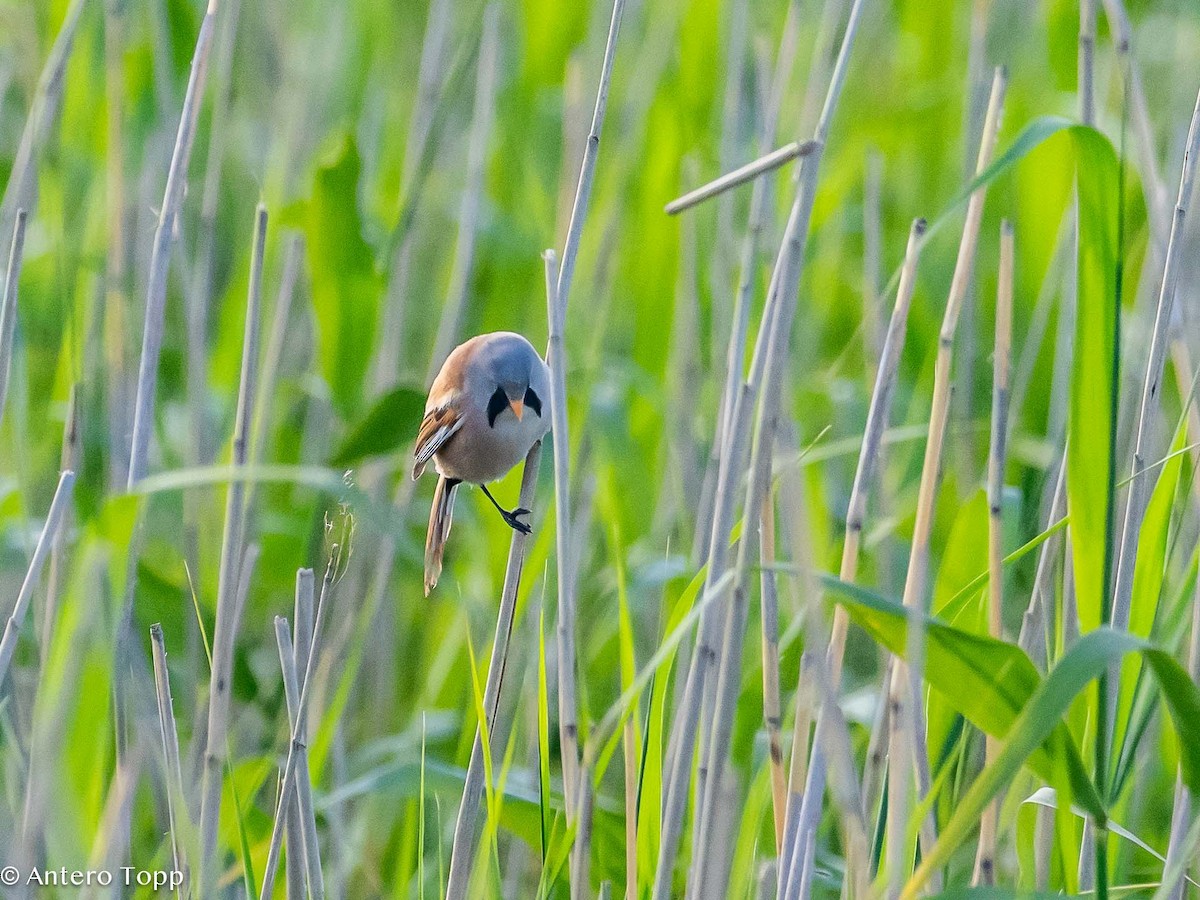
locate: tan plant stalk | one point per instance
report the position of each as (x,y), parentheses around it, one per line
(462,850)
(805,793)
(905,691)
(789,268)
(985,860)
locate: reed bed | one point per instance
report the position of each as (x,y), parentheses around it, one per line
(800,393)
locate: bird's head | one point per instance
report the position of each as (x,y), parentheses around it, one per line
(516,378)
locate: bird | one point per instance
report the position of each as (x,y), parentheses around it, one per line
(487,407)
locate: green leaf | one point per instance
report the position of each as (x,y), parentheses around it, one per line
(988,681)
(345,285)
(1041,718)
(391,421)
(1091,474)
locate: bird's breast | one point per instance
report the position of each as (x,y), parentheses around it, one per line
(480,453)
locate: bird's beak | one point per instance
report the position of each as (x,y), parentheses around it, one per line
(518,408)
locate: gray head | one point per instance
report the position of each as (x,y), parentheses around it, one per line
(513,376)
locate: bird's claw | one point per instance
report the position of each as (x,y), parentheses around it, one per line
(514,521)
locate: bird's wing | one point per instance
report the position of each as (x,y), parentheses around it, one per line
(439,425)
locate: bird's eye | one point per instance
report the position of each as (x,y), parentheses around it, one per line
(533,401)
(496,405)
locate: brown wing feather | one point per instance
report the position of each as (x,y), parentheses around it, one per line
(439,425)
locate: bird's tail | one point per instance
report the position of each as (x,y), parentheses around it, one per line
(440,517)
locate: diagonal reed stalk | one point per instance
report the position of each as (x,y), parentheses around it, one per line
(568,728)
(462,850)
(54,519)
(69,460)
(8,304)
(750,171)
(176,802)
(985,860)
(804,797)
(304,838)
(227,619)
(160,259)
(906,751)
(1141,480)
(789,268)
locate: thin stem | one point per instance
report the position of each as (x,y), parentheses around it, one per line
(740,176)
(54,519)
(462,850)
(160,259)
(176,804)
(8,304)
(227,620)
(906,749)
(804,797)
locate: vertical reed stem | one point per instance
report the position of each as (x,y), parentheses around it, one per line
(226,627)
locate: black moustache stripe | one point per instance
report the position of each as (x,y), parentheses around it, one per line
(533,401)
(496,405)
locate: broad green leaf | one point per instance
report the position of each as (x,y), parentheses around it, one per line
(1041,717)
(1091,474)
(391,422)
(345,285)
(987,680)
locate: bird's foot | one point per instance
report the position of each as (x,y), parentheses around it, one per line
(514,521)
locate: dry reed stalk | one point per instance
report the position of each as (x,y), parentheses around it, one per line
(201,449)
(69,460)
(156,290)
(227,619)
(287,781)
(304,838)
(739,176)
(297,828)
(587,168)
(482,117)
(906,688)
(789,266)
(462,850)
(834,735)
(581,852)
(1087,62)
(805,796)
(985,860)
(20,189)
(176,802)
(772,712)
(8,304)
(1141,480)
(747,278)
(54,519)
(568,728)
